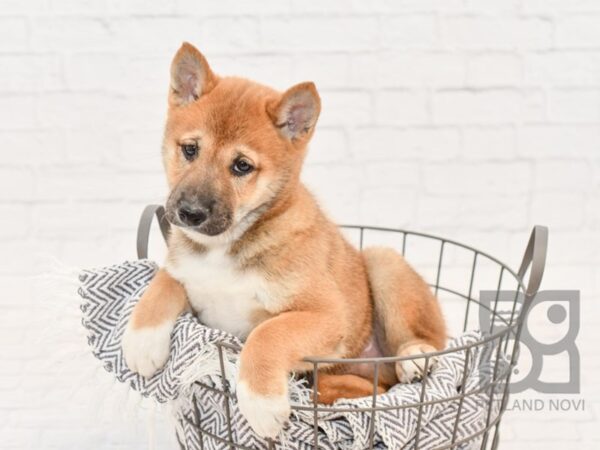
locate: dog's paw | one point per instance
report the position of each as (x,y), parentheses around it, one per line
(146,350)
(412,370)
(267,415)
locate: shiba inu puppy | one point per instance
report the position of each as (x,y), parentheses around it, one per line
(251,252)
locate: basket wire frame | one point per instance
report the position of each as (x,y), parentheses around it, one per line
(503,337)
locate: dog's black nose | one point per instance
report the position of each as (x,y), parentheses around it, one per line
(192,216)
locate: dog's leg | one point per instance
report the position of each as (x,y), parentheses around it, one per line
(330,387)
(273,350)
(408,317)
(148,334)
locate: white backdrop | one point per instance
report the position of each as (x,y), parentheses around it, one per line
(472,119)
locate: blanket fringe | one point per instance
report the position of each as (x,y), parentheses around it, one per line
(207,365)
(58,326)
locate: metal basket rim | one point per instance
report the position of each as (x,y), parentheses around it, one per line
(518,278)
(391,359)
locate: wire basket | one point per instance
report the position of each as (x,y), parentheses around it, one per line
(457,273)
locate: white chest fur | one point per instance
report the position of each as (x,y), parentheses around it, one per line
(222,296)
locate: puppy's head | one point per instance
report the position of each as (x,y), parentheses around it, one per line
(232,149)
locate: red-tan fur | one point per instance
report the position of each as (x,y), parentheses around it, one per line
(323,295)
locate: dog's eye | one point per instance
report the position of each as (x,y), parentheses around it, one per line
(190,151)
(241,167)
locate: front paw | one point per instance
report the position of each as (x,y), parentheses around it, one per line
(266,414)
(146,349)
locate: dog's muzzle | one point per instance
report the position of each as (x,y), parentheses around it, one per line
(202,217)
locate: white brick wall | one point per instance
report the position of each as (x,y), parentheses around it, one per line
(473,119)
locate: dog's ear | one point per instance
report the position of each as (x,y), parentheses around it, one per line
(297,111)
(191,76)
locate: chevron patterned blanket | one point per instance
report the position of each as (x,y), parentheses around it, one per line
(108,296)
